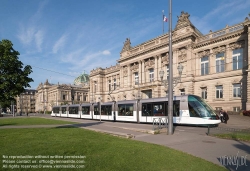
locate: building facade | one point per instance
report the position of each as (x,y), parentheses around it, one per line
(49,95)
(215,67)
(25,103)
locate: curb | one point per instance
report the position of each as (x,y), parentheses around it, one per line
(118,134)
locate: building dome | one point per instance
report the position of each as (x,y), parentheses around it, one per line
(83,78)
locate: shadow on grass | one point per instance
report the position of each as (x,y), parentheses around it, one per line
(8,124)
(80,125)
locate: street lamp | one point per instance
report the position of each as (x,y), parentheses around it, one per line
(175,80)
(170,84)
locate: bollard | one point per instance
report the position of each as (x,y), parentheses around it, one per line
(208,130)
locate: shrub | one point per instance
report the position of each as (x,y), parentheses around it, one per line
(246,112)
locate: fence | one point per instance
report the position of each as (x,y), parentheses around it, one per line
(159,123)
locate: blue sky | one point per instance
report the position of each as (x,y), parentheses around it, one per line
(61,39)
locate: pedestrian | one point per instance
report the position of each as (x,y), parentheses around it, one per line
(221,115)
(27,113)
(226,117)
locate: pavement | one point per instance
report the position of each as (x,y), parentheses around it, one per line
(231,154)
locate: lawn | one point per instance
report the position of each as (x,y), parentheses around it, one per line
(240,136)
(31,121)
(102,151)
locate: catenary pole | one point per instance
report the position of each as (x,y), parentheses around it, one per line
(162,21)
(170,81)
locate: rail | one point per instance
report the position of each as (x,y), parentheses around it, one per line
(159,123)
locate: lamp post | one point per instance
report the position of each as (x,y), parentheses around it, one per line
(172,82)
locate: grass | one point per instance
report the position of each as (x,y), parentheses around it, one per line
(31,121)
(240,136)
(102,151)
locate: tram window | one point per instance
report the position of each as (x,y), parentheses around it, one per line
(198,107)
(106,110)
(85,110)
(96,110)
(56,110)
(125,109)
(73,110)
(158,109)
(147,110)
(64,109)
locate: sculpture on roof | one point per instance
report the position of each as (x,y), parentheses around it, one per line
(127,45)
(183,20)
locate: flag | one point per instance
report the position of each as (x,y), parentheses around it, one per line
(165,18)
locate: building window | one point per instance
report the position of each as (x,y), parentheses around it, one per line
(136,78)
(204,65)
(236,109)
(236,90)
(85,98)
(95,86)
(109,85)
(114,84)
(237,59)
(220,62)
(64,97)
(219,92)
(204,93)
(151,75)
(218,108)
(182,91)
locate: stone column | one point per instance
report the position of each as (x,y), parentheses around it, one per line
(121,77)
(228,59)
(129,75)
(156,68)
(140,72)
(143,71)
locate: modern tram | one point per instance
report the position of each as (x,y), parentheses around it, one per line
(187,110)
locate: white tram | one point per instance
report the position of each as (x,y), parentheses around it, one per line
(187,110)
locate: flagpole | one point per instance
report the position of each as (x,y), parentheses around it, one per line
(162,21)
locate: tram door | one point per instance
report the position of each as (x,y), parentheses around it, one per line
(113,110)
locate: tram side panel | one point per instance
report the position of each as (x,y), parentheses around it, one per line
(55,111)
(73,111)
(126,111)
(106,112)
(64,111)
(86,111)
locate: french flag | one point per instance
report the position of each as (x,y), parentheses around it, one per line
(165,18)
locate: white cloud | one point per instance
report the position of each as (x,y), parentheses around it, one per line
(106,52)
(220,14)
(59,43)
(39,40)
(26,35)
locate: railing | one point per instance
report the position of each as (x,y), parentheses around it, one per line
(221,32)
(159,123)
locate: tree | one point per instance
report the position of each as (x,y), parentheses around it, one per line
(13,76)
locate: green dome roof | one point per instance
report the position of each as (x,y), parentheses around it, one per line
(83,78)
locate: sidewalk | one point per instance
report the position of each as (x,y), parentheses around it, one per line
(192,140)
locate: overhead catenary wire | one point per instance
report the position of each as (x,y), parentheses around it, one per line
(159,67)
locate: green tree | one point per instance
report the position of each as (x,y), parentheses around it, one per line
(13,75)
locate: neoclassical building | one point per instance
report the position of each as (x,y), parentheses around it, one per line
(49,95)
(215,67)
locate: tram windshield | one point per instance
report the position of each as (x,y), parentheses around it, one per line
(199,108)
